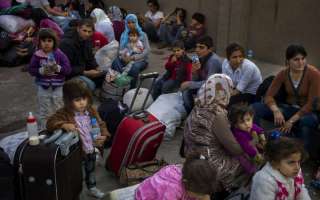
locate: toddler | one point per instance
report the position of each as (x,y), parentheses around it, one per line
(79,115)
(196,180)
(281,178)
(249,136)
(50,66)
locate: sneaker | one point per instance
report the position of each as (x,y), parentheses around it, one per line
(95,192)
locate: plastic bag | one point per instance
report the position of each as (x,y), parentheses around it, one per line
(169,109)
(13,24)
(128,97)
(105,55)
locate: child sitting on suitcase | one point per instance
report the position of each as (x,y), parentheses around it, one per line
(78,115)
(178,70)
(50,66)
(195,180)
(250,136)
(281,178)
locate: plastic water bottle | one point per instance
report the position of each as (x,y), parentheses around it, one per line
(275,134)
(51,60)
(195,58)
(95,132)
(32,129)
(250,54)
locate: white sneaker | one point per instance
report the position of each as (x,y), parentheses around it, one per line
(95,192)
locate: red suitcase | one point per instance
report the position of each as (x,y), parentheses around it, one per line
(138,136)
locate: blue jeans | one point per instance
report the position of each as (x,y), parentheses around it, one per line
(304,126)
(167,35)
(134,72)
(188,99)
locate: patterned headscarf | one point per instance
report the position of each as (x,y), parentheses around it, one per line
(207,97)
(125,35)
(115,13)
(100,16)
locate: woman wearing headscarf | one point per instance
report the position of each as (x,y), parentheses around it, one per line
(207,130)
(140,60)
(102,23)
(116,17)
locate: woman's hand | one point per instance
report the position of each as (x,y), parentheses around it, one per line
(286,128)
(185,85)
(278,118)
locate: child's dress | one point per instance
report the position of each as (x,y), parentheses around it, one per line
(165,185)
(248,142)
(270,184)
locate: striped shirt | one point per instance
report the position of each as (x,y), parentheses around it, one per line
(83,122)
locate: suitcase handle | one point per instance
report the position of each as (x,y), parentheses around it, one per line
(142,77)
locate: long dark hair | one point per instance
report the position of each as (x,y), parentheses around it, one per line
(74,89)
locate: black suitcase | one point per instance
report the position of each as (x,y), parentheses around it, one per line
(7,176)
(43,173)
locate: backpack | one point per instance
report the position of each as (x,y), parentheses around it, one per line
(263,88)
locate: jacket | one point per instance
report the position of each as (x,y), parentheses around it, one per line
(270,184)
(62,116)
(55,80)
(79,52)
(179,70)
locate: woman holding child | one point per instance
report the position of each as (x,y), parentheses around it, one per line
(139,61)
(207,130)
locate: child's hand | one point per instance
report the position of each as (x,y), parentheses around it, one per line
(55,68)
(185,85)
(173,59)
(69,127)
(99,142)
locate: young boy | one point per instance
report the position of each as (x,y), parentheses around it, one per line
(195,31)
(178,70)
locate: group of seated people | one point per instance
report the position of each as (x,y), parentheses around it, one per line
(224,142)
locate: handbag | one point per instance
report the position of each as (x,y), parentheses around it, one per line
(136,173)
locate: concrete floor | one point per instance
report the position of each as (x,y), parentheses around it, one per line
(18,97)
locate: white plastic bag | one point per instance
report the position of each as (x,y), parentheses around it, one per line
(14,24)
(105,55)
(169,109)
(128,97)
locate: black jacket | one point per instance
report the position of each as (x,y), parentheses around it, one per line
(78,51)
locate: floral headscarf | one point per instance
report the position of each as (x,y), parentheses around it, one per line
(100,16)
(125,35)
(207,97)
(115,13)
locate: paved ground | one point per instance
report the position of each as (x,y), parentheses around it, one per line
(18,96)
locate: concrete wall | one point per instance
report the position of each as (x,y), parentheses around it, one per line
(265,26)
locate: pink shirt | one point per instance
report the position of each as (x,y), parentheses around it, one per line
(165,185)
(84,126)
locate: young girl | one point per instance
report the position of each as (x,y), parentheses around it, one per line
(78,115)
(196,180)
(50,66)
(281,178)
(178,70)
(249,136)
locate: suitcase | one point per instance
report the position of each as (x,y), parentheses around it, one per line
(46,172)
(138,136)
(7,189)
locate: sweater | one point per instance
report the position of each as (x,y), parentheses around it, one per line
(270,184)
(179,70)
(165,185)
(55,80)
(210,64)
(79,52)
(308,88)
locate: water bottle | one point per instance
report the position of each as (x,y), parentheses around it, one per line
(195,58)
(95,132)
(32,129)
(274,135)
(51,60)
(250,54)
